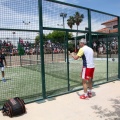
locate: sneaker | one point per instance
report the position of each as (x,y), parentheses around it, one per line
(3,79)
(83,97)
(89,94)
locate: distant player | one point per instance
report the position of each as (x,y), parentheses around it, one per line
(86,53)
(2,58)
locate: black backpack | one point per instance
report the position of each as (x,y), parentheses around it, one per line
(14,107)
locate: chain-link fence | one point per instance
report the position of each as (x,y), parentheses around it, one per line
(37,38)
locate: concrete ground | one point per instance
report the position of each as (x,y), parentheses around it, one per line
(104,105)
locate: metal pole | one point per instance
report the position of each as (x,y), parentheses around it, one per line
(89,26)
(63,15)
(37,47)
(41,49)
(13,39)
(20,61)
(10,60)
(52,55)
(107,56)
(97,47)
(109,38)
(67,61)
(65,46)
(52,51)
(63,23)
(76,42)
(64,38)
(119,47)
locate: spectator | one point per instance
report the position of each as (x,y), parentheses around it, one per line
(101,49)
(94,46)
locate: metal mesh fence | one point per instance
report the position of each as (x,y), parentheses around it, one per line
(113,58)
(99,46)
(18,14)
(19,81)
(55,64)
(57,16)
(63,26)
(103,23)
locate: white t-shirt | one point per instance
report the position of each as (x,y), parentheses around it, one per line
(87,55)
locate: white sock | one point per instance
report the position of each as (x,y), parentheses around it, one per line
(89,91)
(86,94)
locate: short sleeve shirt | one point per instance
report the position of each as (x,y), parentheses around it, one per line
(87,56)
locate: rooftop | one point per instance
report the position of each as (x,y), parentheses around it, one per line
(109,21)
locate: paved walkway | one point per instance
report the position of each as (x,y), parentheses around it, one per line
(105,105)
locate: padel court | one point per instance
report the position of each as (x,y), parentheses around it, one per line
(24,80)
(37,38)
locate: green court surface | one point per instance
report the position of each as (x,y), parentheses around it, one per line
(26,80)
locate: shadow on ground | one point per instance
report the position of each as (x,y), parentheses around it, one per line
(105,113)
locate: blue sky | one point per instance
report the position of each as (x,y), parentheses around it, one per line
(109,6)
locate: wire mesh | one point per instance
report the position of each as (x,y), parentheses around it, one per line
(55,63)
(103,23)
(113,58)
(22,48)
(19,14)
(20,82)
(99,45)
(57,16)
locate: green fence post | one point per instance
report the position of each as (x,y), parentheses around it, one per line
(65,46)
(41,48)
(89,27)
(119,47)
(67,61)
(52,52)
(107,55)
(97,47)
(20,61)
(10,60)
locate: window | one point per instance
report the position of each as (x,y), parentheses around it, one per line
(115,26)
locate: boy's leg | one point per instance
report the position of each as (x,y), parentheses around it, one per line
(3,74)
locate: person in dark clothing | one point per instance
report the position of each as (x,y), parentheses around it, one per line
(2,58)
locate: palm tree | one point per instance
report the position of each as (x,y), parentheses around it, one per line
(71,21)
(78,18)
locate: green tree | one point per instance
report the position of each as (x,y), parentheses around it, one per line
(58,36)
(49,36)
(71,47)
(54,36)
(37,39)
(71,21)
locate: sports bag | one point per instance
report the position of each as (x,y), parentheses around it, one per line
(14,107)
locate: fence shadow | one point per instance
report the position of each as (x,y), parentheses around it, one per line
(105,113)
